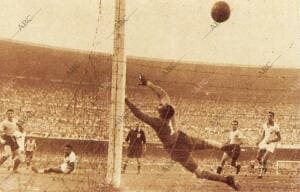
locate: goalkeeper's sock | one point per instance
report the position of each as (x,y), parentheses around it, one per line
(211,176)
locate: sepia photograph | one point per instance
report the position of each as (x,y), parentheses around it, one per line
(149,95)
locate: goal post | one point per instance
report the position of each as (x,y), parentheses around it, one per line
(114,160)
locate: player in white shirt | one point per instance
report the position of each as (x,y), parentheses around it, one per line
(11,148)
(268,142)
(30,147)
(232,149)
(20,136)
(66,167)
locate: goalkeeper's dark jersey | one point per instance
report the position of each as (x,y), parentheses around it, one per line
(162,127)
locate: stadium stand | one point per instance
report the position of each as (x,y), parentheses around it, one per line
(67,93)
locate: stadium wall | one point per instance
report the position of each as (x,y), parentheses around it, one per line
(92,147)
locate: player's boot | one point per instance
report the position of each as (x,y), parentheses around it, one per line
(17,162)
(34,169)
(238,169)
(219,169)
(232,183)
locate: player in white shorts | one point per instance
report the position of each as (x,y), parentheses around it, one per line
(267,143)
(232,149)
(66,167)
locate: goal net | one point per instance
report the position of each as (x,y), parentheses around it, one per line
(288,167)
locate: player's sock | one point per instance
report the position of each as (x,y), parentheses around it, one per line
(265,169)
(16,164)
(3,159)
(259,160)
(264,166)
(260,172)
(139,168)
(238,169)
(219,169)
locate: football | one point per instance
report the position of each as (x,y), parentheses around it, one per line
(220,12)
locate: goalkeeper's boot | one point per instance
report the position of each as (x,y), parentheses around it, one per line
(232,183)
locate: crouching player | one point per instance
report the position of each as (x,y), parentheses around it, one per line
(68,165)
(232,149)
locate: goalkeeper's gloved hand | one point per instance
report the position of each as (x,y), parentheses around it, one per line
(142,79)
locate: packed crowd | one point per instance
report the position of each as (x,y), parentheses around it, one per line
(58,110)
(211,119)
(83,112)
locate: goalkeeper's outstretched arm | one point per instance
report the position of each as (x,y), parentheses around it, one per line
(163,97)
(152,121)
(161,94)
